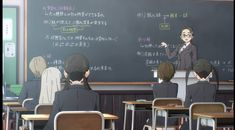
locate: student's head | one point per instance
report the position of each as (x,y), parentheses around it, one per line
(202,68)
(186,34)
(76,67)
(37,65)
(165,71)
(50,83)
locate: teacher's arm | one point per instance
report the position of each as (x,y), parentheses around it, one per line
(172,54)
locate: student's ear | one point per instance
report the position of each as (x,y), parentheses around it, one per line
(87,73)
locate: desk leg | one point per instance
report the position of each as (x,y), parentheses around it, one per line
(198,122)
(17,120)
(166,116)
(124,123)
(7,119)
(154,119)
(133,117)
(214,122)
(31,126)
(112,125)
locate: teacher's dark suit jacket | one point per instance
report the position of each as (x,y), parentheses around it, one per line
(202,91)
(75,98)
(164,90)
(31,89)
(186,58)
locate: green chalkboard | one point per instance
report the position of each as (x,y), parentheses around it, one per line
(121,38)
(10,44)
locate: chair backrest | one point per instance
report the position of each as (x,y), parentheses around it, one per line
(43,109)
(79,120)
(26,100)
(164,102)
(204,107)
(167,101)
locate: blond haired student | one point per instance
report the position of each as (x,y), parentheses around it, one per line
(50,83)
(31,88)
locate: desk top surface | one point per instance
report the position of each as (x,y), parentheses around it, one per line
(137,102)
(46,116)
(170,107)
(110,116)
(19,109)
(11,104)
(35,116)
(216,115)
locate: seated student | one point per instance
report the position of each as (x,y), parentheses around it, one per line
(75,96)
(202,91)
(31,88)
(50,83)
(165,89)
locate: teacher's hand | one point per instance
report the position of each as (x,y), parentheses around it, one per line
(163,44)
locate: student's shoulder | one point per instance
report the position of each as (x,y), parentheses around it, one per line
(176,84)
(195,85)
(61,92)
(32,83)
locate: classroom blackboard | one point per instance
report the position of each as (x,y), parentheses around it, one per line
(121,38)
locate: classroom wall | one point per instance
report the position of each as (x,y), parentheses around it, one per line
(20,4)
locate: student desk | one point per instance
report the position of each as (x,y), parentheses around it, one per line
(29,118)
(8,106)
(169,111)
(19,110)
(133,105)
(210,119)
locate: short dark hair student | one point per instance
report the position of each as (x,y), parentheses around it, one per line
(76,96)
(165,89)
(201,91)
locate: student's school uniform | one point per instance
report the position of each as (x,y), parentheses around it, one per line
(75,98)
(164,90)
(202,91)
(31,89)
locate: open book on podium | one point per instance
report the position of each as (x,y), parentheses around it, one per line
(179,78)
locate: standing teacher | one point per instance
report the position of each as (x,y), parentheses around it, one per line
(187,56)
(186,52)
